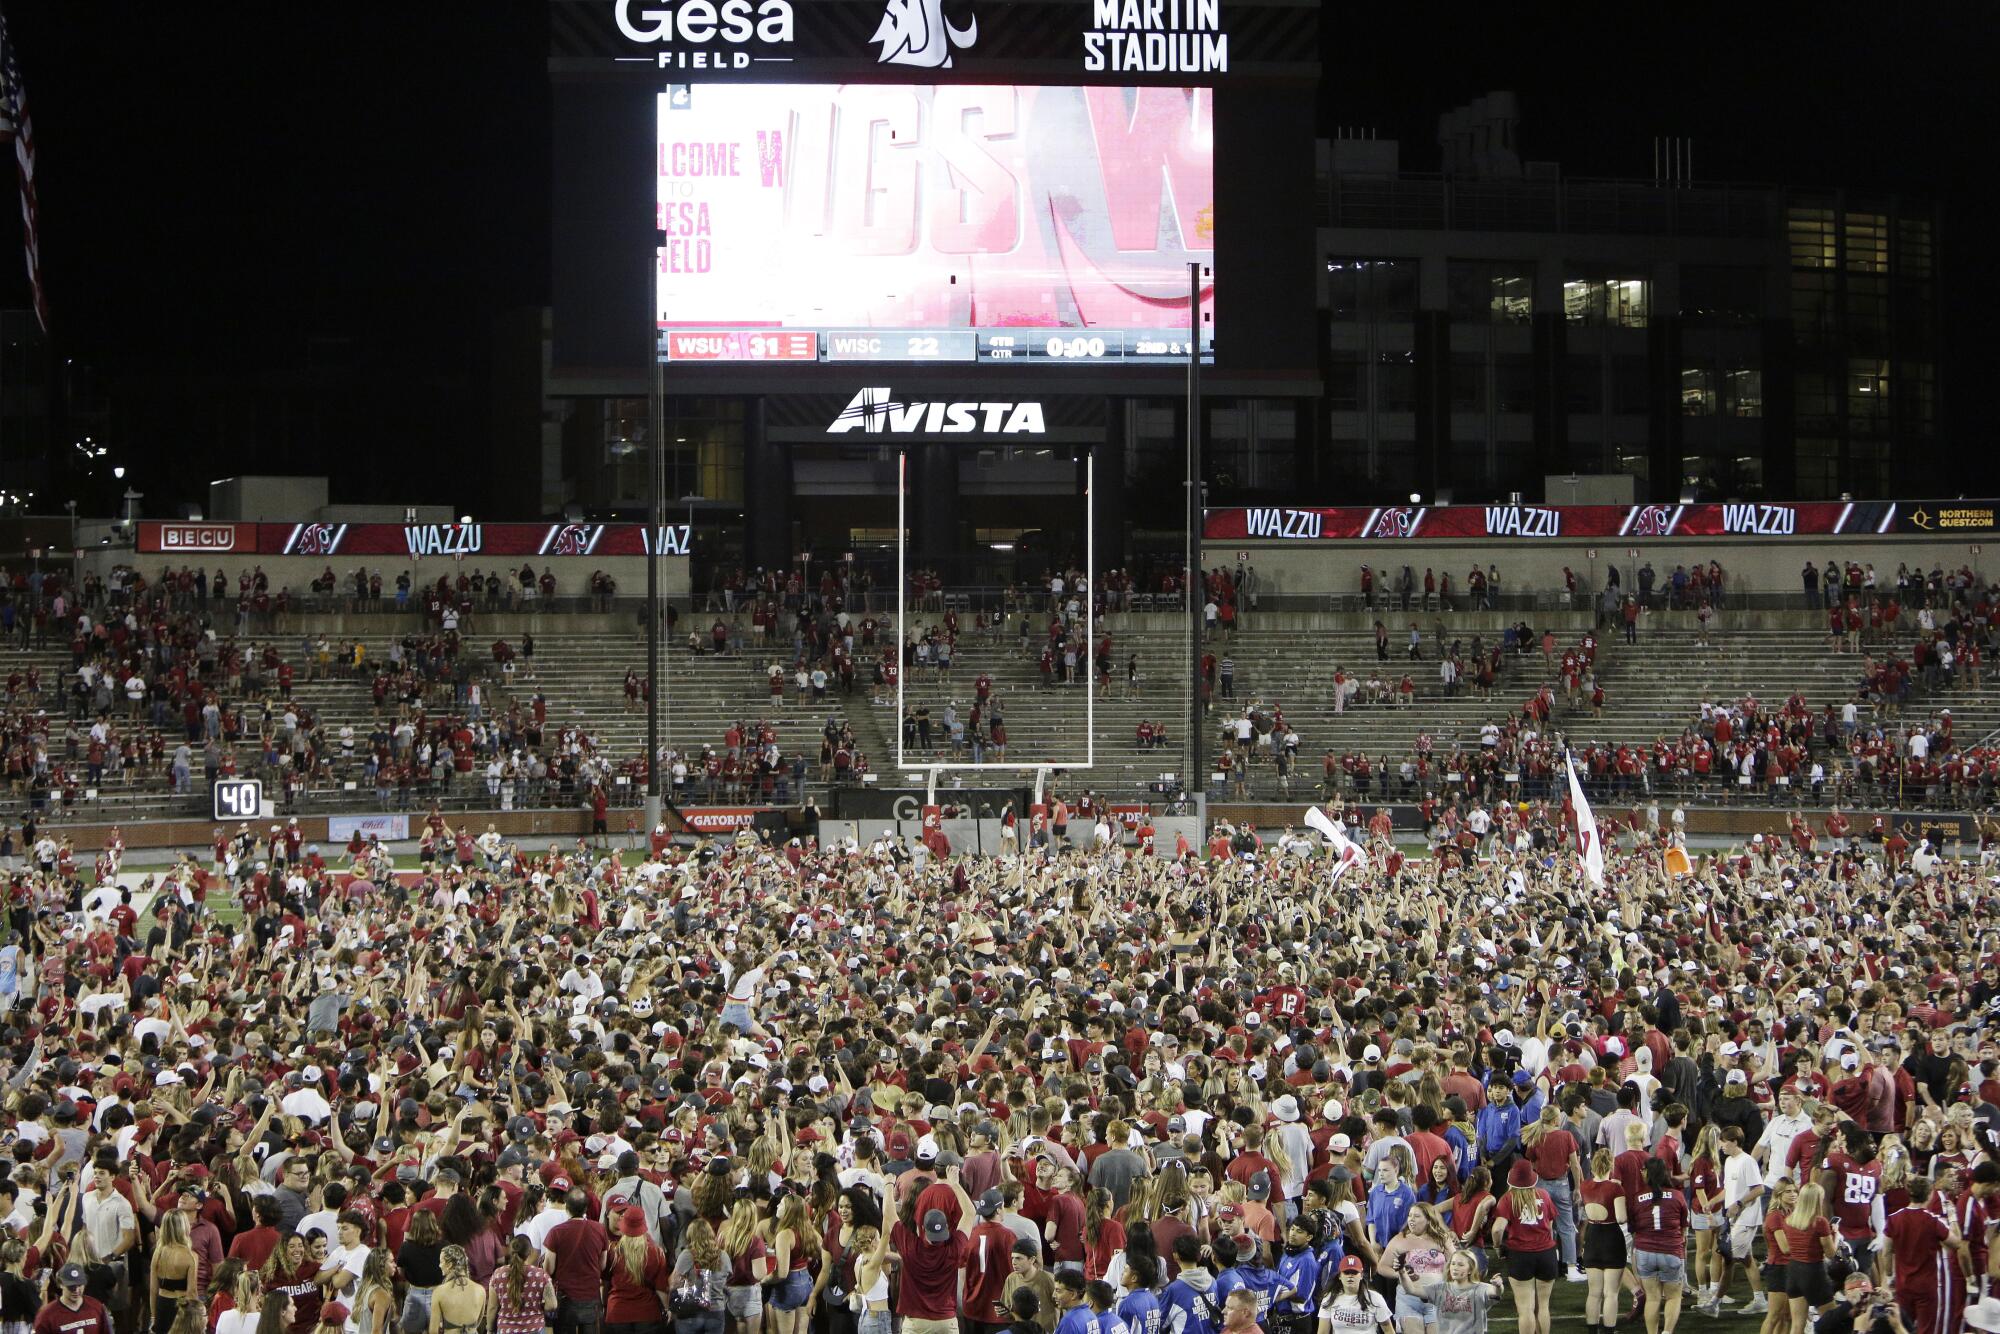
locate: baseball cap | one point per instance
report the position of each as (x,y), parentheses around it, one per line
(1737,1077)
(70,1275)
(937,1228)
(989,1202)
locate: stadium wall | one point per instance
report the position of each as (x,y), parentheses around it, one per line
(1752,565)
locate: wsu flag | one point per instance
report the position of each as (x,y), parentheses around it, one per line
(1346,852)
(1588,847)
(16,129)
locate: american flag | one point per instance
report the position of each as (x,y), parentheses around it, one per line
(15,126)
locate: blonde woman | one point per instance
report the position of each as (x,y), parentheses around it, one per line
(176,1271)
(871,1281)
(1603,1250)
(701,1276)
(639,1271)
(1416,1258)
(375,1296)
(1806,1241)
(749,1266)
(796,1242)
(249,1298)
(1705,1210)
(1524,1232)
(458,1304)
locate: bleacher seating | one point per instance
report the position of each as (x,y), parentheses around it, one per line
(1653,688)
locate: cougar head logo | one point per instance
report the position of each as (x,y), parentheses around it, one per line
(915,32)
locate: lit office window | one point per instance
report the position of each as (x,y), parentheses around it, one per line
(1490,292)
(1810,231)
(1697,392)
(1743,391)
(1618,302)
(1867,391)
(1867,243)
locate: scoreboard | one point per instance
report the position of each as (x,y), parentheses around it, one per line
(915,223)
(838,346)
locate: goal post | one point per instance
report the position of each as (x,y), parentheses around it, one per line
(934,768)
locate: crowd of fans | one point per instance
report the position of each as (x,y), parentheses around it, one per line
(1089,1086)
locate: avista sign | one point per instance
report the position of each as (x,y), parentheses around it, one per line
(877,412)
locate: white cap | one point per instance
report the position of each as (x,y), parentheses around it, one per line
(1371,1052)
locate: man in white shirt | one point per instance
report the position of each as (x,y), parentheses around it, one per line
(341,1274)
(306,1101)
(582,980)
(1743,1215)
(108,1216)
(1776,1144)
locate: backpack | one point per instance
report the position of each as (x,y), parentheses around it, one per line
(693,1295)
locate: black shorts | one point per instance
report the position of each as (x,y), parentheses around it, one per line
(1807,1279)
(1540,1266)
(1603,1246)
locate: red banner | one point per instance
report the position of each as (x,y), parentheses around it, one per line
(1550,522)
(408,541)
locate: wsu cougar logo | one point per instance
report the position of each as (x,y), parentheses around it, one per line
(315,539)
(1396,522)
(571,539)
(915,32)
(1652,521)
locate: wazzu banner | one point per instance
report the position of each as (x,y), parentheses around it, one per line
(410,541)
(1611,522)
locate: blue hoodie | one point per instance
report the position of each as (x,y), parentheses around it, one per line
(1300,1273)
(1141,1312)
(1251,1276)
(1190,1304)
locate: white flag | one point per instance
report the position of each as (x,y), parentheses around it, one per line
(1588,846)
(1347,854)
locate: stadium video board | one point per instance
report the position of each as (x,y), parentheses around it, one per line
(916,223)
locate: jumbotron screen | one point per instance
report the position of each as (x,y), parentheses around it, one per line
(899,223)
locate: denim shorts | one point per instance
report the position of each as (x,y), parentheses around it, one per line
(1661,1266)
(737,1013)
(1411,1307)
(791,1294)
(746,1302)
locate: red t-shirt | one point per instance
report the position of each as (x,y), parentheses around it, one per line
(1550,1156)
(1605,1193)
(1530,1230)
(1803,1244)
(1066,1212)
(578,1245)
(1659,1223)
(989,1259)
(1915,1238)
(635,1302)
(89,1317)
(930,1273)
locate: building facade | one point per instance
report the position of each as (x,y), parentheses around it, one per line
(1491,327)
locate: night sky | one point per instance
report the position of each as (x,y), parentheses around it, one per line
(287,230)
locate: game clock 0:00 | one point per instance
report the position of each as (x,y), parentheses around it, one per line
(238,798)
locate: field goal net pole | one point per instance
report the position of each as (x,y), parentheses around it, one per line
(1089,656)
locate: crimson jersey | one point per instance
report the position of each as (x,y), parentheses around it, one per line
(1284,1002)
(1916,1244)
(1852,1194)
